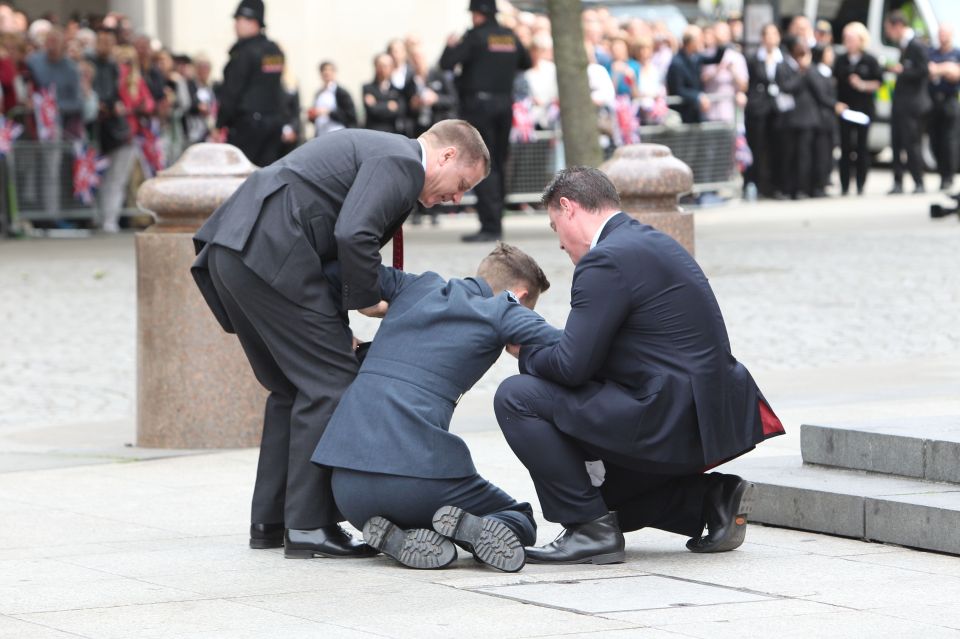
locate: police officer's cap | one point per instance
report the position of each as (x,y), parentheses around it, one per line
(487,7)
(252,9)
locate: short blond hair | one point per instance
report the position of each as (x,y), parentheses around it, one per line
(860,30)
(465,137)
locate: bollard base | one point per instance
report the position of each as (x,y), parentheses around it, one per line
(679,226)
(195,388)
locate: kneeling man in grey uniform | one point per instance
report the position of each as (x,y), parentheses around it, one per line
(398,473)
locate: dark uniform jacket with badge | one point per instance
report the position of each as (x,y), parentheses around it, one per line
(490,56)
(868,68)
(437,340)
(647,359)
(911,95)
(251,82)
(339,196)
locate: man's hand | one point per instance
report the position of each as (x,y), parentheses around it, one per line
(377,310)
(356,343)
(453,40)
(704,102)
(514,349)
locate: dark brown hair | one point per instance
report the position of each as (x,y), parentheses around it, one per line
(507,266)
(587,186)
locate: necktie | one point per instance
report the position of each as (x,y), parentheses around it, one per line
(398,249)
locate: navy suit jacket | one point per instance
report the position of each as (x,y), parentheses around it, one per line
(340,197)
(646,356)
(436,341)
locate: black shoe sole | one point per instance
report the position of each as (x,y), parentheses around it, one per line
(418,548)
(597,560)
(492,541)
(265,544)
(744,494)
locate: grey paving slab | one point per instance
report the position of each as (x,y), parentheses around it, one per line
(188,619)
(928,521)
(723,612)
(431,611)
(849,625)
(947,616)
(933,564)
(621,594)
(56,594)
(11,628)
(922,447)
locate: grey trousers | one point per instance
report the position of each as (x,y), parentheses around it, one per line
(410,502)
(305,359)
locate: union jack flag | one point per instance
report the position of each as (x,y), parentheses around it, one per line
(9,131)
(152,156)
(627,120)
(46,113)
(87,170)
(522,128)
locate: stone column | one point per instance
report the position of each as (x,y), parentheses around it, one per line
(195,388)
(650,181)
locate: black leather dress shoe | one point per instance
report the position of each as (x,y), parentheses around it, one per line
(481,236)
(490,541)
(417,548)
(328,541)
(263,536)
(725,511)
(597,542)
(896,190)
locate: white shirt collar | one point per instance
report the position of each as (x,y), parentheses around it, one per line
(423,155)
(596,238)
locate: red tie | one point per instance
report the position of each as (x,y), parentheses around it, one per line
(398,249)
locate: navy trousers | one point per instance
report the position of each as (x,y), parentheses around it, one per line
(645,495)
(410,502)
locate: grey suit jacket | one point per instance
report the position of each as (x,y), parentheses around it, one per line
(340,197)
(437,340)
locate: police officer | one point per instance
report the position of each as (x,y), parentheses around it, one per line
(251,97)
(489,56)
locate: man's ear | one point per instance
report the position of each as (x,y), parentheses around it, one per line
(524,296)
(567,206)
(448,154)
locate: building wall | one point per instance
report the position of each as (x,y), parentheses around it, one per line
(349,32)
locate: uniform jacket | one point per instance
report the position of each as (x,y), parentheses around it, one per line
(379,116)
(489,57)
(684,80)
(339,196)
(646,355)
(251,81)
(911,94)
(760,101)
(437,340)
(824,94)
(795,82)
(868,68)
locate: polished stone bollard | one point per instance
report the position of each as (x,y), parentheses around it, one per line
(650,181)
(195,388)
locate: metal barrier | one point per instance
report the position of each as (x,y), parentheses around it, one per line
(43,182)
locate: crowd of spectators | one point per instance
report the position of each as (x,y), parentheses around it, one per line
(95,82)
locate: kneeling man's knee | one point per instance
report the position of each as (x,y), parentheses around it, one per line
(508,400)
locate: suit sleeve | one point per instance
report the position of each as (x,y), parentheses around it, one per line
(820,88)
(346,112)
(599,305)
(235,76)
(520,325)
(452,56)
(677,85)
(915,63)
(393,281)
(382,193)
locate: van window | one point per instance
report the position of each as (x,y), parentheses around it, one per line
(840,14)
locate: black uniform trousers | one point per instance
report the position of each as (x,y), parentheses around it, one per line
(305,359)
(854,154)
(259,136)
(761,132)
(943,127)
(410,502)
(655,496)
(492,115)
(906,132)
(823,142)
(797,146)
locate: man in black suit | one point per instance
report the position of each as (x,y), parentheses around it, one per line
(260,268)
(761,112)
(911,101)
(685,73)
(642,381)
(385,105)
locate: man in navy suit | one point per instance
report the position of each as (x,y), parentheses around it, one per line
(642,382)
(397,472)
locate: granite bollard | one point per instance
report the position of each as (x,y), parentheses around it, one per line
(195,388)
(650,181)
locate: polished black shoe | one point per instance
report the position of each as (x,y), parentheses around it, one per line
(725,511)
(481,236)
(263,536)
(596,542)
(418,548)
(328,541)
(490,541)
(919,190)
(896,190)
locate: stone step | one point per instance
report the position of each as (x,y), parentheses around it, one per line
(851,503)
(924,448)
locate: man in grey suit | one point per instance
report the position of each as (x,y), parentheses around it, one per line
(397,471)
(260,268)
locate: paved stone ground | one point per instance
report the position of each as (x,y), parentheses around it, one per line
(842,309)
